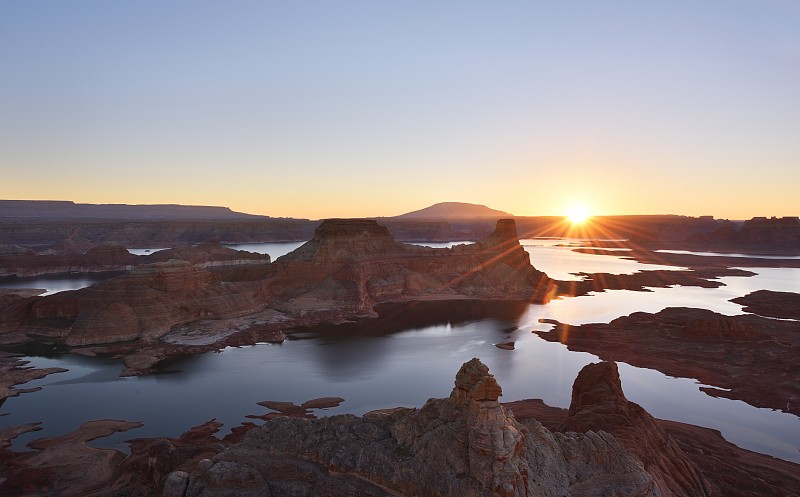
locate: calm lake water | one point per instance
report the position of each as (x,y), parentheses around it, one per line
(407,356)
(56,283)
(724,254)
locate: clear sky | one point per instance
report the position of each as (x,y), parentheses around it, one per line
(367,108)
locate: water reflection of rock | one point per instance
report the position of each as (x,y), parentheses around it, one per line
(358,348)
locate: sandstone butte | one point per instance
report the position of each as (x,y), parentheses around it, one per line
(465,445)
(185,306)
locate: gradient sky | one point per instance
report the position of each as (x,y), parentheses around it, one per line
(367,108)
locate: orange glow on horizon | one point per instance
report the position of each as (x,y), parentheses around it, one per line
(578,214)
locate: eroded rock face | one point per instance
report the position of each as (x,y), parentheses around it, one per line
(465,445)
(598,403)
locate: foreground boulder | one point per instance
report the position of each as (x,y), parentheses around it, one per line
(464,445)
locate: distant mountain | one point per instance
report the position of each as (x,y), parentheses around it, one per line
(62,210)
(454,210)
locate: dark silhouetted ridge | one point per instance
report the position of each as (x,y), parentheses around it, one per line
(454,210)
(62,209)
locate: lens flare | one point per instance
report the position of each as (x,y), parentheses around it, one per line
(578,214)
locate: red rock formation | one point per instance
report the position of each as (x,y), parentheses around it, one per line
(344,271)
(466,445)
(112,258)
(732,471)
(66,465)
(143,304)
(13,372)
(599,404)
(748,357)
(358,261)
(785,305)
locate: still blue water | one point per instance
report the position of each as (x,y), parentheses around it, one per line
(724,254)
(385,366)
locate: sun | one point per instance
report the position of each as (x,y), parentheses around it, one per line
(578,214)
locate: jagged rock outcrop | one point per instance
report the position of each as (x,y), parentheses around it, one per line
(598,403)
(465,445)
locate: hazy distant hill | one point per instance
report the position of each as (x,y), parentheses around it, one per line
(454,210)
(61,209)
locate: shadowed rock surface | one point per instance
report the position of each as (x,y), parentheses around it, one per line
(143,304)
(65,465)
(115,258)
(466,445)
(754,358)
(730,470)
(13,372)
(784,305)
(599,404)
